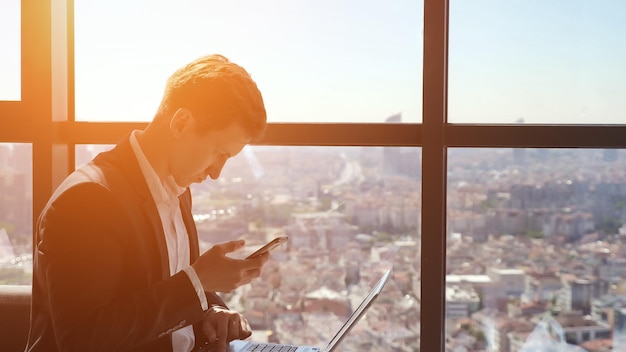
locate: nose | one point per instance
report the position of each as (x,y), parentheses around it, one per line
(216,169)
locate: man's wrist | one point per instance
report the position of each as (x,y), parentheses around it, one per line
(197,285)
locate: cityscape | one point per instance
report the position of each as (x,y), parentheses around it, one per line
(532,234)
(534,237)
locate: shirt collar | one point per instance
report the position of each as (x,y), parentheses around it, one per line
(162,190)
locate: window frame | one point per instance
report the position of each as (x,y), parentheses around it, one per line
(45,118)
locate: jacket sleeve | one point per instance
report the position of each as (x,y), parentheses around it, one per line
(102,288)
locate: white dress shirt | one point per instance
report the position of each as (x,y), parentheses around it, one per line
(165,193)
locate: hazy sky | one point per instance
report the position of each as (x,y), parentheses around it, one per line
(541,60)
(9,50)
(544,61)
(313,60)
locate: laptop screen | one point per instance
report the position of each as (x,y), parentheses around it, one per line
(358,312)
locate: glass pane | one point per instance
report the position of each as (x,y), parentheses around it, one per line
(16,215)
(10,39)
(314,61)
(541,61)
(350,213)
(535,234)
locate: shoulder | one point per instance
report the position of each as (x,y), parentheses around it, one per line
(87,181)
(103,178)
(94,187)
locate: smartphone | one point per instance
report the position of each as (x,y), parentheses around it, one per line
(269,246)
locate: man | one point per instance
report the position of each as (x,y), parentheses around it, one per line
(117,265)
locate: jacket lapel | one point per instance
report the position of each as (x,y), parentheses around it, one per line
(125,155)
(152,214)
(192,232)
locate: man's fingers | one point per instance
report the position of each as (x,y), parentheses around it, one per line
(209,330)
(222,333)
(259,259)
(250,275)
(222,326)
(254,265)
(234,329)
(244,329)
(230,246)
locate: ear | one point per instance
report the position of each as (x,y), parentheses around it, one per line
(180,121)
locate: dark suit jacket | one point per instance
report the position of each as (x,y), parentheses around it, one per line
(101,277)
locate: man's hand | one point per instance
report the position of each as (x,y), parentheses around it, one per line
(220,273)
(222,326)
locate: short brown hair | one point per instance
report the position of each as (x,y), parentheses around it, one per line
(218,93)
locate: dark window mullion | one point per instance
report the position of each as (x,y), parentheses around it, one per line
(11,112)
(277,134)
(433,240)
(36,45)
(543,136)
(15,130)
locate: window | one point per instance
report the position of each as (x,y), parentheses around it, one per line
(537,62)
(15,214)
(533,231)
(350,212)
(10,66)
(479,130)
(314,61)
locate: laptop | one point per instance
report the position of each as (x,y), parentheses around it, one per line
(251,346)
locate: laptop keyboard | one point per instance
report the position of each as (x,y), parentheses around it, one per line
(269,347)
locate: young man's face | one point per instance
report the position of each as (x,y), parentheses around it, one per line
(196,156)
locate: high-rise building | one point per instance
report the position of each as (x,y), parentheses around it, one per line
(401,161)
(609,155)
